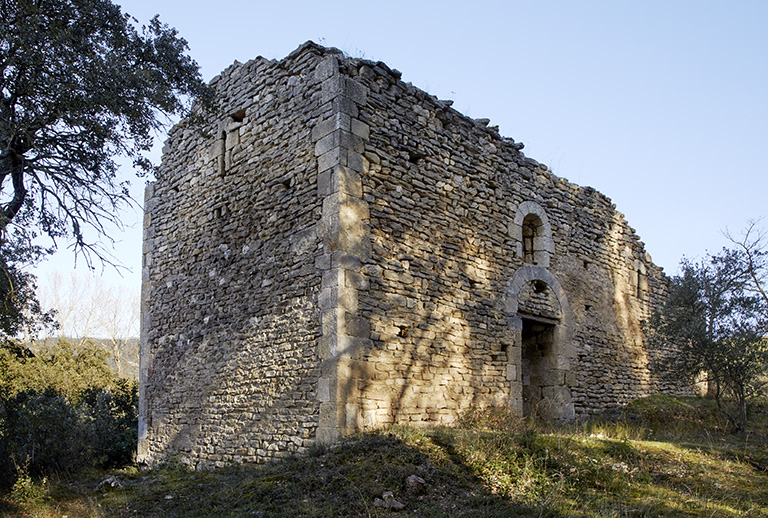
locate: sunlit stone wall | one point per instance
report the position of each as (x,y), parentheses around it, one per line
(340,251)
(447,196)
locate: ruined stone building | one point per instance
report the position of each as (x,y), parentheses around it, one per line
(339,251)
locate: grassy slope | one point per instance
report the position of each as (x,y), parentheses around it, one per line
(661,457)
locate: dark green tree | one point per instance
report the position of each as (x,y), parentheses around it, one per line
(80,84)
(63,409)
(716,323)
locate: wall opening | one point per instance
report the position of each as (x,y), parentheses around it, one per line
(640,281)
(533,234)
(222,153)
(238,116)
(542,330)
(538,338)
(531,231)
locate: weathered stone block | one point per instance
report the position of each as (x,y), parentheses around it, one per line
(360,129)
(338,121)
(336,156)
(357,327)
(328,67)
(347,181)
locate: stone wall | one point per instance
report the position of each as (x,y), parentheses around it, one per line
(230,321)
(341,251)
(447,198)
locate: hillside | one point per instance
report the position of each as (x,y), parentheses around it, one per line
(659,457)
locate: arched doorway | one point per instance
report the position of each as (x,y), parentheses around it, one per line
(540,323)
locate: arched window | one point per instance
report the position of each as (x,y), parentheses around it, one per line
(534,235)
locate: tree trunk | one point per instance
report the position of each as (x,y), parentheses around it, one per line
(742,401)
(11,164)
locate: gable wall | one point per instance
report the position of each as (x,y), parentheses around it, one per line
(231,319)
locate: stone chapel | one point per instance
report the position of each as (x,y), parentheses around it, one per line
(339,251)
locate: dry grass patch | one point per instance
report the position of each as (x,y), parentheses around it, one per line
(657,458)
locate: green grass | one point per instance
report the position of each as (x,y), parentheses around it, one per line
(660,457)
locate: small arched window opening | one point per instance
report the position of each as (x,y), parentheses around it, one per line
(531,235)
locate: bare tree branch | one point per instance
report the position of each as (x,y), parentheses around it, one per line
(752,246)
(80,85)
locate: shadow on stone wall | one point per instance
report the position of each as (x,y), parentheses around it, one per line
(439,331)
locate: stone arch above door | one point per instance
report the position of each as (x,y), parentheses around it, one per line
(530,273)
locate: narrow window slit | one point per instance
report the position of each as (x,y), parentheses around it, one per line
(531,230)
(222,153)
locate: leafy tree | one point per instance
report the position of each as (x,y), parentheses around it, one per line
(717,326)
(20,310)
(12,355)
(79,85)
(61,365)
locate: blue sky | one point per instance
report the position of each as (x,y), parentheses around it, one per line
(660,105)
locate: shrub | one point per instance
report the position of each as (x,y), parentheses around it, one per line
(113,421)
(64,411)
(42,430)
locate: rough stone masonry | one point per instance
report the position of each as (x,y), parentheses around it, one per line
(339,251)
